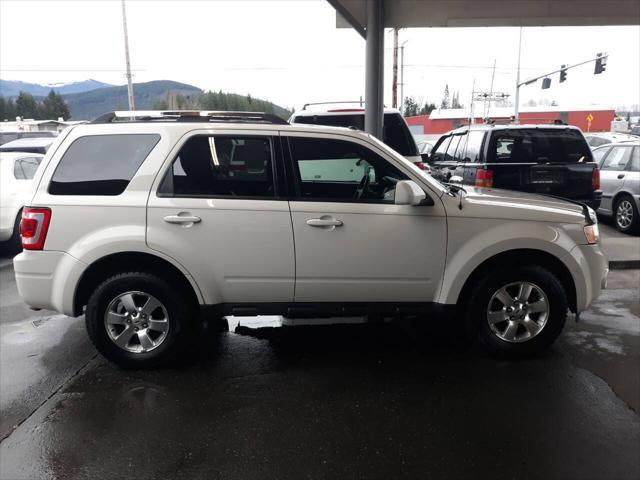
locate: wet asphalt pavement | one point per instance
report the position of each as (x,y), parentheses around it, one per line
(377,401)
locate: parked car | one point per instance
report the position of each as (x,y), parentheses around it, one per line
(620,180)
(28,145)
(396,132)
(549,159)
(6,136)
(597,139)
(16,176)
(144,225)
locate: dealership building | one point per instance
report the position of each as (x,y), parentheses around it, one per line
(588,119)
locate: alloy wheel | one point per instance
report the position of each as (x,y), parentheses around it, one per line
(624,214)
(136,322)
(518,312)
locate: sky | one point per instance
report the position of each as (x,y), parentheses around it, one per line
(290,52)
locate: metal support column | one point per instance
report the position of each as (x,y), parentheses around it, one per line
(374,69)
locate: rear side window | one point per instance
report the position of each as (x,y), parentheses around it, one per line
(222,166)
(599,153)
(25,168)
(101,164)
(539,146)
(474,146)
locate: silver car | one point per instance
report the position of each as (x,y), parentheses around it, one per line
(620,183)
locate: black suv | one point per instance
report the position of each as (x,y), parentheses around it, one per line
(546,159)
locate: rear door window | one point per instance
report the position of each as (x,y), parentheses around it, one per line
(474,146)
(535,145)
(222,166)
(617,159)
(101,164)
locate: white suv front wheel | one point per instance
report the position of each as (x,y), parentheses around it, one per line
(138,320)
(517,311)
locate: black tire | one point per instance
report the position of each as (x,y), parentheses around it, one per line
(479,303)
(182,315)
(630,206)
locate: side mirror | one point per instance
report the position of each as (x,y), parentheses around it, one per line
(409,193)
(426,157)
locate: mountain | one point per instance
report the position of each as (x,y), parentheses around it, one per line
(11,88)
(88,105)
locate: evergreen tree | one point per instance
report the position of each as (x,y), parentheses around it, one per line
(445,100)
(7,109)
(54,107)
(26,106)
(427,108)
(455,102)
(410,107)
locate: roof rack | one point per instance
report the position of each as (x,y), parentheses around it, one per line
(359,102)
(129,116)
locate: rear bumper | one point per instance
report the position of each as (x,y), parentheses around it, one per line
(595,200)
(47,279)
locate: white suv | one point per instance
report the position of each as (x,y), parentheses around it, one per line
(147,223)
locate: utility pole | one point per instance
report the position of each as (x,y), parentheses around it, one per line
(132,106)
(402,75)
(394,84)
(516,118)
(487,104)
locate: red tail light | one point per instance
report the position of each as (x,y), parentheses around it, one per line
(484,178)
(421,165)
(595,179)
(34,226)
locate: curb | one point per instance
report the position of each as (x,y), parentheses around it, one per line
(624,264)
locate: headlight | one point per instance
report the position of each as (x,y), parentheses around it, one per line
(592,232)
(593,216)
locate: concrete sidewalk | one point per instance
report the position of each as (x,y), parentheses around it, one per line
(622,250)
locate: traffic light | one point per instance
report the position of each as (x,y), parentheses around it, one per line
(563,73)
(601,64)
(546,83)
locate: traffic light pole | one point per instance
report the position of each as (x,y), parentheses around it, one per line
(598,58)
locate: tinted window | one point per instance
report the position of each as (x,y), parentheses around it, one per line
(398,136)
(222,166)
(396,133)
(539,146)
(617,159)
(101,164)
(453,146)
(336,170)
(599,153)
(25,168)
(474,146)
(441,149)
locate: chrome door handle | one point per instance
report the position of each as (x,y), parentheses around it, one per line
(621,176)
(182,219)
(324,222)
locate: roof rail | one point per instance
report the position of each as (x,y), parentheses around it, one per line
(359,102)
(128,116)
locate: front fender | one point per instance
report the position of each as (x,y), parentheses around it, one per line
(473,241)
